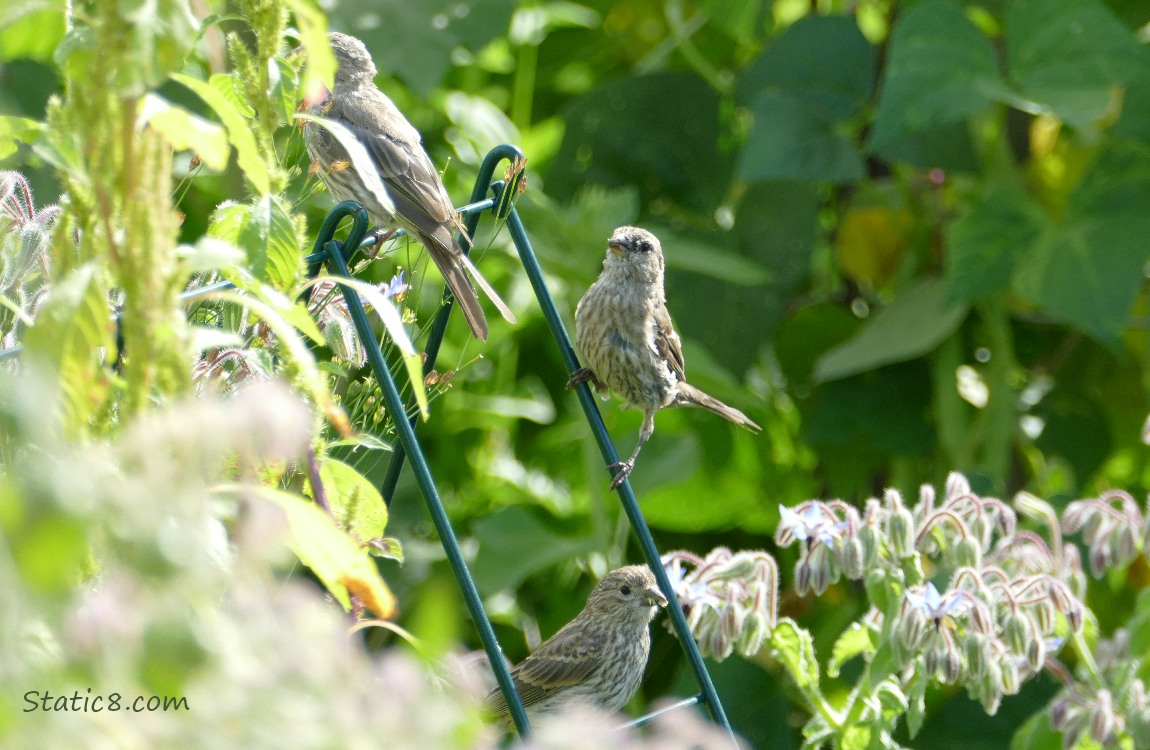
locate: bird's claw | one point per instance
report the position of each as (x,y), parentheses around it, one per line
(624,468)
(582,375)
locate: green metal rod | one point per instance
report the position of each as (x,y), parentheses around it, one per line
(607,448)
(426,483)
(471,212)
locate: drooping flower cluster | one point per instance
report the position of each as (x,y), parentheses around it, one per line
(994,623)
(1104,713)
(730,599)
(1112,526)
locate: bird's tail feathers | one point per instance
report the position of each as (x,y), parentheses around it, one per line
(689,395)
(461,287)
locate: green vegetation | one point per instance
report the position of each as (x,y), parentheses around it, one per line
(908,238)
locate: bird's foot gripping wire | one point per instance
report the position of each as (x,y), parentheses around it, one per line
(582,375)
(624,468)
(379,235)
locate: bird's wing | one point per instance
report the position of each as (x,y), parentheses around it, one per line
(414,185)
(568,658)
(667,343)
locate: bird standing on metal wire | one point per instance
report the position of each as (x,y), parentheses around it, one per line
(628,343)
(395,148)
(596,659)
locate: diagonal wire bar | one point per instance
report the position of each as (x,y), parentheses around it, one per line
(337,265)
(626,495)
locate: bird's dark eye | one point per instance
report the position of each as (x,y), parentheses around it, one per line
(626,590)
(643,246)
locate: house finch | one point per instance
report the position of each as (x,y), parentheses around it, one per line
(422,205)
(599,657)
(624,331)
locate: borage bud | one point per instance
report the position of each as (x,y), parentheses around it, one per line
(968,552)
(1103,722)
(977,654)
(755,631)
(1017,634)
(913,628)
(1036,654)
(851,558)
(900,532)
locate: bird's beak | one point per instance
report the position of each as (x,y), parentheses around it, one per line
(616,246)
(655,597)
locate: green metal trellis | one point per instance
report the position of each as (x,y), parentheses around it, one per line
(332,253)
(502,205)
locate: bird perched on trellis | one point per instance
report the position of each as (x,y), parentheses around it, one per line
(395,150)
(596,659)
(628,342)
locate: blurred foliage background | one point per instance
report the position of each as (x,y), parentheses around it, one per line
(908,238)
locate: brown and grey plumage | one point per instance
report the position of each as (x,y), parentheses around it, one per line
(628,343)
(422,205)
(596,659)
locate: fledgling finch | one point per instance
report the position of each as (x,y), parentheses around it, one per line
(422,205)
(596,659)
(628,343)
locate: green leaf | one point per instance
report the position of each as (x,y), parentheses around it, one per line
(918,319)
(941,69)
(1036,734)
(861,737)
(1087,270)
(1139,625)
(718,263)
(359,157)
(31,29)
(854,641)
(794,648)
(239,131)
(15,130)
(72,334)
(355,502)
(819,73)
(334,557)
(514,543)
(184,130)
(984,243)
(320,70)
(268,237)
(610,140)
(1067,54)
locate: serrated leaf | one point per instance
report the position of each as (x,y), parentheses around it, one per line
(184,130)
(918,319)
(228,86)
(355,502)
(343,567)
(239,131)
(794,647)
(268,238)
(71,335)
(856,640)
